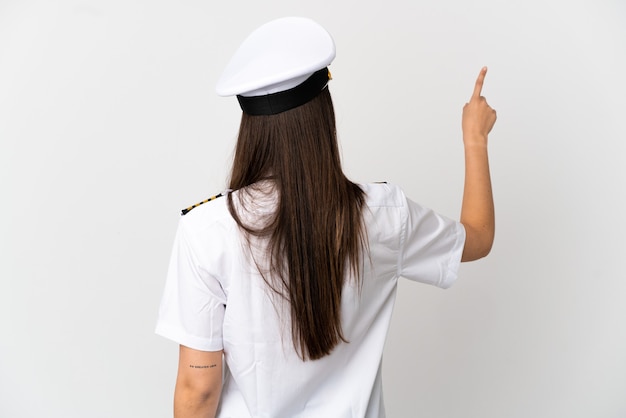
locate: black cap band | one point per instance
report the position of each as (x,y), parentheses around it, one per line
(271,104)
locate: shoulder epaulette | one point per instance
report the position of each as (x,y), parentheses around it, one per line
(187,210)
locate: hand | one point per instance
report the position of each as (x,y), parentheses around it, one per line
(478,116)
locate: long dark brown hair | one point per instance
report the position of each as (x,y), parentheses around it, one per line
(315,235)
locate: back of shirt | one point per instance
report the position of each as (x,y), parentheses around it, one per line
(215,298)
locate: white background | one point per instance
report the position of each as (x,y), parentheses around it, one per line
(109,125)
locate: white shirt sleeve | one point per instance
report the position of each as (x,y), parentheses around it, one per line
(431,246)
(193,304)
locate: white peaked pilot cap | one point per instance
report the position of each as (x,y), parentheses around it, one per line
(280,66)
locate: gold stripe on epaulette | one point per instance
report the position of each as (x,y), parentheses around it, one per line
(185,211)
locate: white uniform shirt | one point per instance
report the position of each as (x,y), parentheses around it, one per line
(214,299)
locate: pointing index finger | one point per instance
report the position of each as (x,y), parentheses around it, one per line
(479,83)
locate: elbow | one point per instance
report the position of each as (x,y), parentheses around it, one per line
(475,254)
(478,243)
(196,393)
(485,250)
(193,398)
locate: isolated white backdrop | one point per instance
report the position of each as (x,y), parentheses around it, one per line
(109,125)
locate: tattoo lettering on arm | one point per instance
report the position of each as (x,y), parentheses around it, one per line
(210,366)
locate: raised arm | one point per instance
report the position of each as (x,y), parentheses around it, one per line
(199,383)
(477,211)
